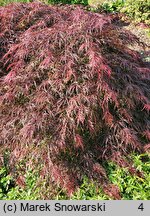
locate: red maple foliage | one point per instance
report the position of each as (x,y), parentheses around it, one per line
(68,77)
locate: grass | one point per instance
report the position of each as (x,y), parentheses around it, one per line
(131,187)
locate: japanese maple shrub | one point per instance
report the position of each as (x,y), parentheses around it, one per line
(70,83)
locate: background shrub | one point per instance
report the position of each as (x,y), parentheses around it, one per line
(138,10)
(113,5)
(5,2)
(96,3)
(83,2)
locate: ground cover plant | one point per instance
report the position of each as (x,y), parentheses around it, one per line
(28,184)
(72,88)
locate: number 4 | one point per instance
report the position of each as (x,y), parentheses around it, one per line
(141,207)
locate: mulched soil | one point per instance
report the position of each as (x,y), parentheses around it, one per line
(142,34)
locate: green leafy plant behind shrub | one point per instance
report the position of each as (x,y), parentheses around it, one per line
(138,10)
(83,2)
(96,3)
(112,6)
(5,2)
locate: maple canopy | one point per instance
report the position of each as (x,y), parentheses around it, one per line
(69,79)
